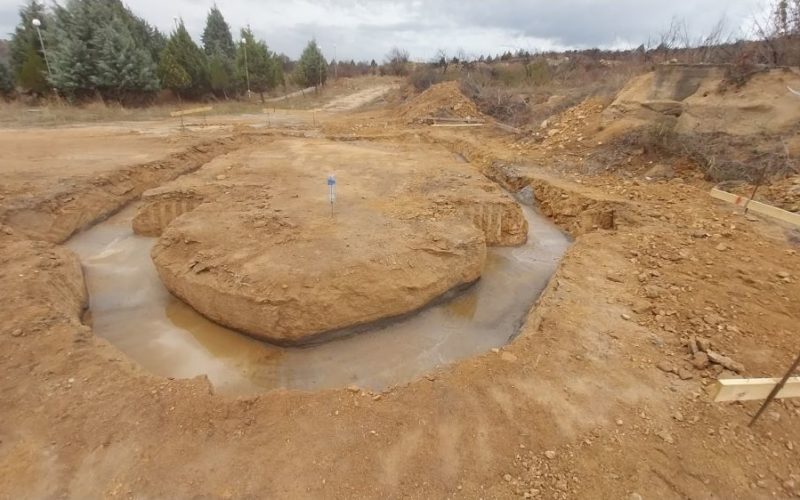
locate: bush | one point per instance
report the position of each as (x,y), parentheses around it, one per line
(423,78)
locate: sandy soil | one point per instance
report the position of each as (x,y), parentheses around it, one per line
(598,397)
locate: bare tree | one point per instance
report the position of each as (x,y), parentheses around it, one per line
(441,60)
(397,61)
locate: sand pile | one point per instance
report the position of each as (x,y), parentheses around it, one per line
(443,100)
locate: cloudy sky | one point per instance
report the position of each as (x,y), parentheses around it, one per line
(366,29)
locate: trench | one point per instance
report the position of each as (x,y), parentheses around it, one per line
(131,308)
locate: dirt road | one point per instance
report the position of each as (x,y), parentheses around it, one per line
(597,397)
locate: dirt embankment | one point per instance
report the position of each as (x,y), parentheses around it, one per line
(696,99)
(89,199)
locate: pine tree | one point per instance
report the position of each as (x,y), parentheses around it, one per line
(262,67)
(32,75)
(101,46)
(173,76)
(122,68)
(312,68)
(6,81)
(185,59)
(217,35)
(220,73)
(25,36)
(72,60)
(27,61)
(221,51)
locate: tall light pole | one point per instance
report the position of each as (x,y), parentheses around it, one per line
(246,69)
(36,23)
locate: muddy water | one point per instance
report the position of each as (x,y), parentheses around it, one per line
(132,309)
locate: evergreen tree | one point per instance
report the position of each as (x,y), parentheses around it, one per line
(221,51)
(217,35)
(173,76)
(73,57)
(101,46)
(220,73)
(262,67)
(32,75)
(185,59)
(311,69)
(6,81)
(26,48)
(123,68)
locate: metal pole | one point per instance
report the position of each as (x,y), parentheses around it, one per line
(36,23)
(246,68)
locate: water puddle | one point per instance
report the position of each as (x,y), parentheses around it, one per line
(132,309)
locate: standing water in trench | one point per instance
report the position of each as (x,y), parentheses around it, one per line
(132,309)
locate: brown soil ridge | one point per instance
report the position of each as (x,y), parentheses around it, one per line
(58,217)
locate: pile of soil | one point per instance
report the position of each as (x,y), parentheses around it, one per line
(573,125)
(272,260)
(443,100)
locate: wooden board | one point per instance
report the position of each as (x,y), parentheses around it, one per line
(757,207)
(457,125)
(747,389)
(507,128)
(191,111)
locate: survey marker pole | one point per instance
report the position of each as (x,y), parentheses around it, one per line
(332,191)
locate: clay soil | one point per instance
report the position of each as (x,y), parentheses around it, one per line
(598,396)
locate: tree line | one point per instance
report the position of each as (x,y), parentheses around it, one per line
(101,48)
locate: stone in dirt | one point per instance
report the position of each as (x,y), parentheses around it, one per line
(725,361)
(666,366)
(700,360)
(660,171)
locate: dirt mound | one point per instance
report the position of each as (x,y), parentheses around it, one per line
(443,100)
(289,279)
(695,99)
(250,242)
(572,126)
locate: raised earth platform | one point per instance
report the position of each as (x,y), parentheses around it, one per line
(250,240)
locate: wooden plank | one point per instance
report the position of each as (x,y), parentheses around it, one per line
(507,128)
(191,111)
(747,389)
(446,119)
(457,125)
(757,207)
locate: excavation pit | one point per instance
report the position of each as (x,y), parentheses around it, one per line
(132,309)
(421,256)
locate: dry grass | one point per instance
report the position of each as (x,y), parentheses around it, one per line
(17,114)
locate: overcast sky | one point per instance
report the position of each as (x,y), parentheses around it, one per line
(366,29)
